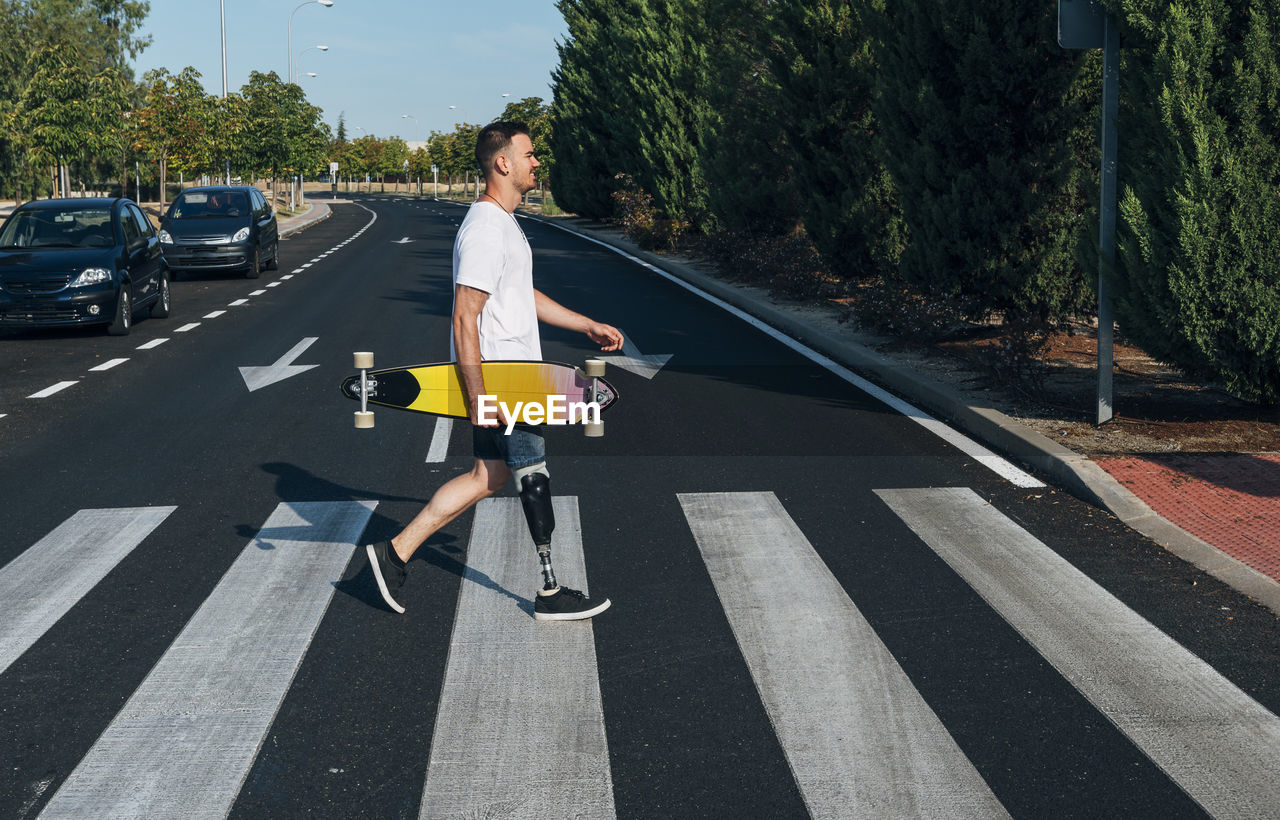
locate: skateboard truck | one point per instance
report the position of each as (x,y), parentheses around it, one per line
(594,368)
(364,363)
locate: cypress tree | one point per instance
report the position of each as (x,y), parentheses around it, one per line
(585,109)
(981,114)
(1197,278)
(821,56)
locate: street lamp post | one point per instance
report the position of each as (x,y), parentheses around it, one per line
(289,65)
(222,14)
(298,59)
(418,129)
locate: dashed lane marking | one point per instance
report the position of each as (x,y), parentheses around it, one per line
(49,391)
(107,365)
(188,327)
(215,314)
(154,343)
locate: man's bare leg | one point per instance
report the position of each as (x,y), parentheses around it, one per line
(452,499)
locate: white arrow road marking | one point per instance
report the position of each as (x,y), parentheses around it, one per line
(256,378)
(402,241)
(632,360)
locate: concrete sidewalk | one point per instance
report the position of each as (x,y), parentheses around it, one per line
(1219,512)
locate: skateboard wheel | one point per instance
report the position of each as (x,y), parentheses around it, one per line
(594,368)
(364,419)
(594,429)
(364,361)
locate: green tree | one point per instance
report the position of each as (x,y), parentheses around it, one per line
(1197,277)
(980,115)
(173,119)
(820,55)
(586,105)
(283,132)
(536,115)
(66,114)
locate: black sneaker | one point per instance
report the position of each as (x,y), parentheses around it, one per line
(566,605)
(390,575)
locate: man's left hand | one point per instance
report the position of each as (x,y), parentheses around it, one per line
(607,336)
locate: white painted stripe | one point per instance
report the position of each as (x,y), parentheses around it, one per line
(440,440)
(258,292)
(184,742)
(274,284)
(860,739)
(1212,739)
(296,270)
(308,264)
(238,303)
(491,756)
(4,415)
(44,582)
(966,445)
(187,327)
(287,276)
(49,391)
(214,315)
(154,343)
(107,365)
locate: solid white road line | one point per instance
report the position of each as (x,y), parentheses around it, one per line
(152,344)
(440,440)
(963,443)
(519,728)
(40,585)
(860,739)
(49,391)
(183,744)
(1212,739)
(107,365)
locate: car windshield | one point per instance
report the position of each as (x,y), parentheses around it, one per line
(211,204)
(71,227)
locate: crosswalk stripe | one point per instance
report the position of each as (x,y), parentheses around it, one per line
(440,440)
(183,744)
(519,729)
(860,739)
(1211,738)
(40,585)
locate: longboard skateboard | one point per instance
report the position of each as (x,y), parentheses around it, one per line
(436,389)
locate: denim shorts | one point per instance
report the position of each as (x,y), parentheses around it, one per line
(523,448)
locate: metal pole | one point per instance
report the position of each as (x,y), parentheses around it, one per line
(1107,219)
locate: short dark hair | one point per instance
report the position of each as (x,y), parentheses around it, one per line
(494,139)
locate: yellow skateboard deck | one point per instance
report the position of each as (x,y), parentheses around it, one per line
(560,393)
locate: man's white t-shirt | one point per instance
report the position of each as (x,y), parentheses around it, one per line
(491,254)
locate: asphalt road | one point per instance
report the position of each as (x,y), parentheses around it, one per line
(820,607)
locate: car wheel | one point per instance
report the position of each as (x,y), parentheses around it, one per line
(274,263)
(161,308)
(123,320)
(255,264)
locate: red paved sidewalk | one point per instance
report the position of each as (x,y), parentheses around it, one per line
(1231,501)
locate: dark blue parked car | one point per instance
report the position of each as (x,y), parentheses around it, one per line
(80,262)
(221,228)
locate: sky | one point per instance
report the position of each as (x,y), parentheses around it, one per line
(386,58)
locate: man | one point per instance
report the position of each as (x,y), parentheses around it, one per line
(496,311)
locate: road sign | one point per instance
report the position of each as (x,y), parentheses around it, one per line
(333,167)
(1081,24)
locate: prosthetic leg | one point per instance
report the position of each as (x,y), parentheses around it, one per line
(534,484)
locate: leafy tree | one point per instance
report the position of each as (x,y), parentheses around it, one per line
(65,113)
(1197,277)
(173,121)
(283,132)
(536,115)
(979,110)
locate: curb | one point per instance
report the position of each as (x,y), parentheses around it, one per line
(305,219)
(1075,473)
